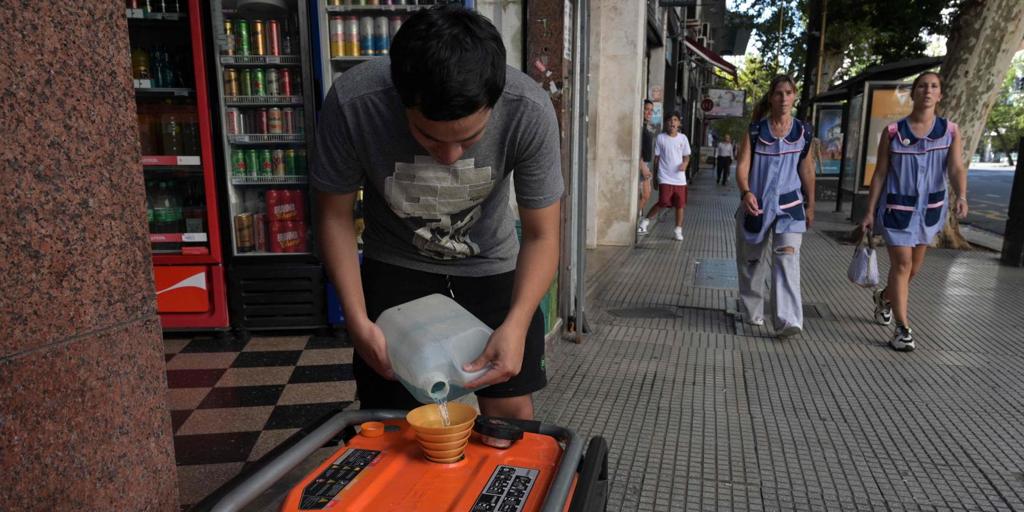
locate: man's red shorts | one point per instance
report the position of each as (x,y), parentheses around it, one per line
(671,196)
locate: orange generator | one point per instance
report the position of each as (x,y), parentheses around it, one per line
(507,466)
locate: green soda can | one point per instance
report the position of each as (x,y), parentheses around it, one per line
(252,162)
(300,162)
(242,27)
(245,82)
(266,167)
(238,162)
(259,82)
(289,162)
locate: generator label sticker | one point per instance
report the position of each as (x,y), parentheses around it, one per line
(506,490)
(328,484)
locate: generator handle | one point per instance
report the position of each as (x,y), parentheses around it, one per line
(276,468)
(558,494)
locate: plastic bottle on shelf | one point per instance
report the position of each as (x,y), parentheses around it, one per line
(140,64)
(171,130)
(166,210)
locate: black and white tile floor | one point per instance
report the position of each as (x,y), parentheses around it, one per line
(233,401)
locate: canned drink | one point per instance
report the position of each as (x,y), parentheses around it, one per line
(259,232)
(266,163)
(233,122)
(284,76)
(372,2)
(381,35)
(259,83)
(273,199)
(394,23)
(275,122)
(300,162)
(238,162)
(288,120)
(289,162)
(229,33)
(242,48)
(337,35)
(243,232)
(303,244)
(259,38)
(252,162)
(277,158)
(262,121)
(351,42)
(231,82)
(273,37)
(245,82)
(366,47)
(298,198)
(273,77)
(296,84)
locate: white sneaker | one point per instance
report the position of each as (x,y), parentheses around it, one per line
(643,226)
(679,234)
(789,331)
(902,339)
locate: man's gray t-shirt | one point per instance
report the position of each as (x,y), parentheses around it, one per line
(445,219)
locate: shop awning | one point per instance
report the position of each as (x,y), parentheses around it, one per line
(713,58)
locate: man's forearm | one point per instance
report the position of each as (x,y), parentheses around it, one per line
(340,255)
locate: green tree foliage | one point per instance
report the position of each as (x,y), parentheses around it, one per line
(1006,121)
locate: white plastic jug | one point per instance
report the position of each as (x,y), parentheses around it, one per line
(429,340)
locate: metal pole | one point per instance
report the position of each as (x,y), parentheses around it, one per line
(821,47)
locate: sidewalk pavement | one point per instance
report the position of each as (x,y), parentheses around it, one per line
(704,413)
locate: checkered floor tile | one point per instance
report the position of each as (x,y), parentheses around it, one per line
(234,401)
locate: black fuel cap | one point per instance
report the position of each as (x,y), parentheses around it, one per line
(497,432)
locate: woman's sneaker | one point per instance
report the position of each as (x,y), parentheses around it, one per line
(883,308)
(642,228)
(902,339)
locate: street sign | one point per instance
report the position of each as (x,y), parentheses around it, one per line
(707,105)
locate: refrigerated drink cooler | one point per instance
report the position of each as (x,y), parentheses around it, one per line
(169,77)
(266,99)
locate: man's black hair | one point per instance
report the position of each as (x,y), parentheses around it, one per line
(648,102)
(676,114)
(448,62)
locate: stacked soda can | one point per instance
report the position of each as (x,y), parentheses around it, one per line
(268,162)
(253,37)
(286,219)
(261,82)
(361,36)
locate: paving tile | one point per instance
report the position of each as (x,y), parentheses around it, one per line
(277,343)
(322,373)
(259,376)
(220,421)
(318,392)
(242,396)
(326,356)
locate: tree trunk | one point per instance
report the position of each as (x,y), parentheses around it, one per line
(812,34)
(984,37)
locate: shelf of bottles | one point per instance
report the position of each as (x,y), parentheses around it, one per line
(162,74)
(264,106)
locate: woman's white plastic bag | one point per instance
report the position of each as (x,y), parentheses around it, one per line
(863,269)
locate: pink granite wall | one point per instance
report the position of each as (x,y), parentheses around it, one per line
(83,416)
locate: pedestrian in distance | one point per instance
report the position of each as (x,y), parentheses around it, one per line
(908,202)
(725,152)
(671,158)
(646,154)
(434,134)
(776,183)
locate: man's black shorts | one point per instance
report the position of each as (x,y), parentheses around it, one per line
(488,298)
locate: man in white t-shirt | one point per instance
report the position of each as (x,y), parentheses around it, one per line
(671,157)
(725,151)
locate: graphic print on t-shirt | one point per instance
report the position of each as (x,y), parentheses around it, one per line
(442,202)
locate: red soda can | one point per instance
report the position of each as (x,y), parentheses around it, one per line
(288,119)
(299,200)
(272,198)
(274,240)
(262,121)
(284,76)
(303,232)
(286,208)
(259,231)
(233,121)
(273,37)
(289,237)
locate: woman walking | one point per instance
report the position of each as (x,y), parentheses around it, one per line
(776,183)
(724,153)
(914,156)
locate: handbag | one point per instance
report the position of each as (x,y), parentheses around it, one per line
(863,269)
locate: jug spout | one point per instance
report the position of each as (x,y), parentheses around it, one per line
(436,385)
